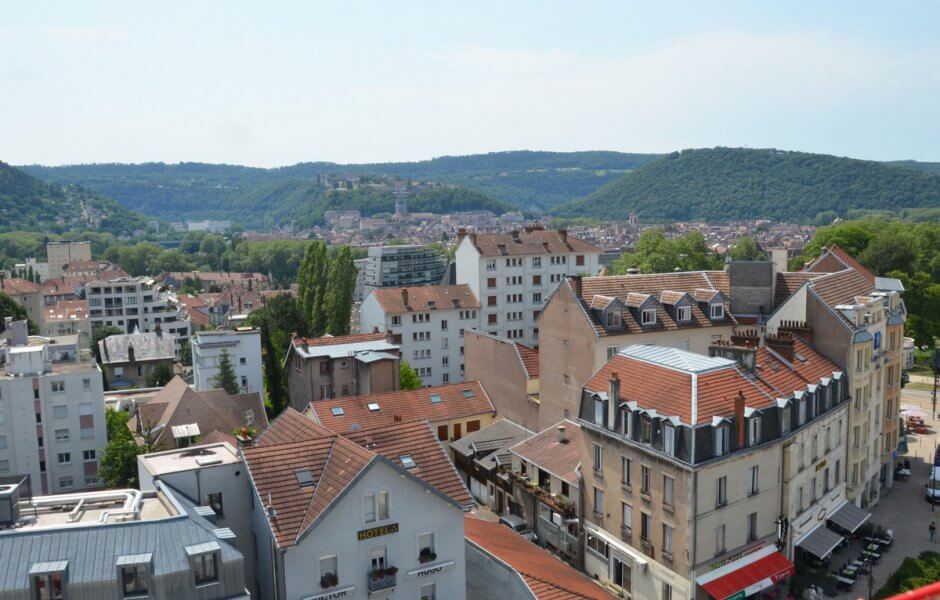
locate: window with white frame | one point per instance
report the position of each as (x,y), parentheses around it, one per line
(753,430)
(375,506)
(205,567)
(613,318)
(48,586)
(598,458)
(134,580)
(722,435)
(717,311)
(667,539)
(753,483)
(785,420)
(626,477)
(329,571)
(669,439)
(721,489)
(60,411)
(428,592)
(648,316)
(66,483)
(626,518)
(719,540)
(598,411)
(598,501)
(58,386)
(669,485)
(684,313)
(536,262)
(426,551)
(61,435)
(612,351)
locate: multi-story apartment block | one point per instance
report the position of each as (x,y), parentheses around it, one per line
(243,346)
(59,254)
(114,544)
(334,367)
(27,294)
(396,266)
(52,425)
(851,314)
(135,303)
(513,275)
(699,468)
(68,317)
(588,319)
(428,323)
(336,519)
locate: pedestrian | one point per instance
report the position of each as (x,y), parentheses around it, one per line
(933,530)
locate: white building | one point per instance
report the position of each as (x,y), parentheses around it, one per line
(135,303)
(244,349)
(40,268)
(512,274)
(333,519)
(52,424)
(428,323)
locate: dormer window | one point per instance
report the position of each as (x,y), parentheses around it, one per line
(722,437)
(669,439)
(753,431)
(627,425)
(646,430)
(785,420)
(717,311)
(684,313)
(648,316)
(613,319)
(599,412)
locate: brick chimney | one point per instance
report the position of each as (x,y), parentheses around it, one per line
(797,328)
(782,344)
(563,234)
(461,234)
(404,296)
(130,353)
(613,399)
(739,418)
(575,282)
(748,338)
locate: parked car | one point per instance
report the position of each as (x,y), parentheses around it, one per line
(518,524)
(936,459)
(933,486)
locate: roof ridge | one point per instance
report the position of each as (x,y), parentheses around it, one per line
(304,524)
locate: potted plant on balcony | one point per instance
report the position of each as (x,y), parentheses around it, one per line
(329,580)
(426,555)
(245,434)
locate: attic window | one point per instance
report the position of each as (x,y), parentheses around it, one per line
(373,406)
(684,313)
(337,411)
(649,316)
(613,319)
(456,302)
(718,311)
(407,461)
(799,357)
(304,477)
(435,399)
(468,393)
(432,304)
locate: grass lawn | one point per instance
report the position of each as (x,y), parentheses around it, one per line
(917,385)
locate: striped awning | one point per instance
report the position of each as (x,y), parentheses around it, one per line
(820,542)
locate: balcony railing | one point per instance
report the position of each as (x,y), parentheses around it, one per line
(382,579)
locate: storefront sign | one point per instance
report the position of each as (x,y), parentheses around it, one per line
(346,592)
(431,570)
(374,532)
(734,557)
(821,466)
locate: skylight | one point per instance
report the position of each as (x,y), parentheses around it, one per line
(304,477)
(407,461)
(468,393)
(435,398)
(337,411)
(373,406)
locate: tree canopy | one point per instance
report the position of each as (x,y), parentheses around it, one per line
(226,378)
(408,378)
(656,253)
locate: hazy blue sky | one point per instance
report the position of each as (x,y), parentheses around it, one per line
(272,83)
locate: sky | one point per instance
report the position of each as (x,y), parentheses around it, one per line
(276,83)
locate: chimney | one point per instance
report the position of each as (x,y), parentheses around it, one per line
(613,399)
(797,328)
(575,282)
(19,331)
(515,236)
(560,434)
(563,234)
(782,344)
(739,418)
(748,338)
(130,353)
(404,296)
(461,234)
(473,238)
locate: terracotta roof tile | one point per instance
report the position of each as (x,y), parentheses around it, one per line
(457,400)
(548,577)
(66,310)
(420,297)
(653,283)
(14,286)
(337,340)
(841,287)
(530,360)
(788,282)
(528,242)
(558,458)
(846,259)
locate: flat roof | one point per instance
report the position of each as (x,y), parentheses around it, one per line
(153,506)
(188,459)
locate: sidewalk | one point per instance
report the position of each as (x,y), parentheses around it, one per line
(904,509)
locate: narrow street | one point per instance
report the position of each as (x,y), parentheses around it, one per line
(903,508)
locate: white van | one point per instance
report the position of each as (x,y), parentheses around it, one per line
(933,486)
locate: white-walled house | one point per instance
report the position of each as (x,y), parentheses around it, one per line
(244,349)
(428,323)
(512,275)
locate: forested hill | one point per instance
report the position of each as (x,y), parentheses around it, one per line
(29,204)
(736,183)
(522,179)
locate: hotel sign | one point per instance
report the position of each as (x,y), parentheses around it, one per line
(346,592)
(374,532)
(431,570)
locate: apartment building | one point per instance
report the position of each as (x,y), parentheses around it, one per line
(129,360)
(693,462)
(334,367)
(336,519)
(59,254)
(849,318)
(428,323)
(397,266)
(588,319)
(114,544)
(27,294)
(52,425)
(68,317)
(510,371)
(513,274)
(135,303)
(243,346)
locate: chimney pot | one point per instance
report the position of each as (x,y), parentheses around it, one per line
(404,296)
(560,431)
(739,418)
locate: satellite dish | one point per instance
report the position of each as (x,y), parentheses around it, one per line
(249,416)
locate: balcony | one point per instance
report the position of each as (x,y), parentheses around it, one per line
(648,549)
(382,579)
(558,537)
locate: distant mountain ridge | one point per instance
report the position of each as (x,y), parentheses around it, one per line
(720,184)
(29,204)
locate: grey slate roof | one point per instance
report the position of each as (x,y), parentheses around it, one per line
(147,346)
(494,439)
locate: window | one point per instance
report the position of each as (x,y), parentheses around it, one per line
(667,540)
(428,592)
(3,442)
(648,317)
(669,439)
(598,501)
(89,455)
(61,435)
(86,384)
(717,311)
(215,502)
(644,527)
(646,430)
(598,458)
(133,580)
(66,483)
(368,507)
(579,260)
(815,447)
(753,483)
(65,458)
(612,351)
(785,420)
(383,504)
(329,571)
(625,476)
(719,540)
(60,412)
(4,466)
(49,586)
(613,318)
(491,282)
(58,386)
(684,313)
(667,591)
(752,527)
(753,431)
(721,440)
(838,471)
(205,568)
(598,411)
(668,490)
(426,547)
(536,262)
(491,265)
(644,480)
(722,491)
(396,320)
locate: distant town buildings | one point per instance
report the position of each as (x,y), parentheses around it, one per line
(136,304)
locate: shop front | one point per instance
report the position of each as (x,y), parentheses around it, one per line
(758,573)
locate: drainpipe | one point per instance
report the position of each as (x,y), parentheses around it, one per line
(694,527)
(580,518)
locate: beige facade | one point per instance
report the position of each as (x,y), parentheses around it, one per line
(495,362)
(313,379)
(59,254)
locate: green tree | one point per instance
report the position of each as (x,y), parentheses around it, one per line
(10,308)
(407,377)
(226,378)
(116,424)
(99,332)
(312,281)
(746,249)
(191,286)
(186,354)
(118,467)
(173,260)
(914,572)
(656,253)
(889,251)
(160,375)
(338,301)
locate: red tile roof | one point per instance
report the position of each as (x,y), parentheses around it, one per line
(548,577)
(654,283)
(404,405)
(846,259)
(444,297)
(14,286)
(523,243)
(788,283)
(841,287)
(337,340)
(530,360)
(557,457)
(65,310)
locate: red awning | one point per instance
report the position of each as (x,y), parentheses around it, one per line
(748,575)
